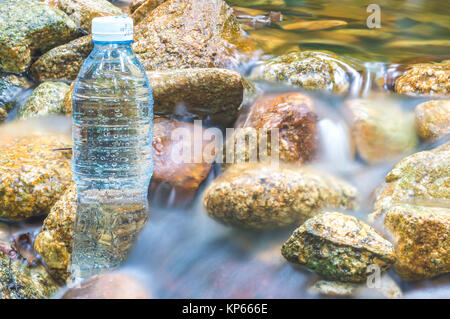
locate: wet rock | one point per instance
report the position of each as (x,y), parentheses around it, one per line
(33,174)
(425,78)
(28,28)
(381,130)
(19,281)
(422,239)
(292,114)
(420,177)
(184,176)
(200,92)
(47,98)
(63,62)
(185,33)
(311,70)
(338,247)
(109,286)
(54,242)
(136,4)
(387,288)
(83,11)
(433,119)
(141,9)
(11,86)
(260,196)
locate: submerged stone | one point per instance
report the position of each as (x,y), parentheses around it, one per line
(83,11)
(20,281)
(420,177)
(109,286)
(261,196)
(33,174)
(186,33)
(63,62)
(422,240)
(433,119)
(199,92)
(28,28)
(425,78)
(311,70)
(11,86)
(47,98)
(338,247)
(292,114)
(381,130)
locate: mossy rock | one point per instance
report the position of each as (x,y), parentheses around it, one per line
(29,28)
(47,98)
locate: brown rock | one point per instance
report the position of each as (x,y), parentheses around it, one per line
(63,62)
(185,178)
(381,130)
(141,9)
(261,196)
(422,240)
(187,33)
(109,286)
(425,78)
(433,119)
(33,174)
(292,114)
(202,92)
(420,177)
(83,11)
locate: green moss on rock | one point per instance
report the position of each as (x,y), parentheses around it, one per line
(338,247)
(47,98)
(28,28)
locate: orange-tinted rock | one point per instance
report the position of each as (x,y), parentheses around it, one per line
(141,9)
(425,78)
(188,33)
(109,286)
(292,114)
(433,119)
(184,176)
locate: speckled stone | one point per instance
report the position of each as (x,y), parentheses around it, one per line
(63,62)
(203,92)
(338,247)
(292,114)
(19,281)
(186,33)
(433,119)
(311,70)
(33,175)
(47,98)
(422,240)
(54,242)
(381,130)
(425,78)
(142,8)
(420,177)
(261,196)
(29,27)
(83,11)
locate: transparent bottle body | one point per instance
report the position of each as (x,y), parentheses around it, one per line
(112,165)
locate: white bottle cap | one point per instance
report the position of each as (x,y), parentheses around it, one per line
(112,29)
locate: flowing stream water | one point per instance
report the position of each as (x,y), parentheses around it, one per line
(182,253)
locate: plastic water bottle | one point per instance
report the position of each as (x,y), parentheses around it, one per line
(112,153)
